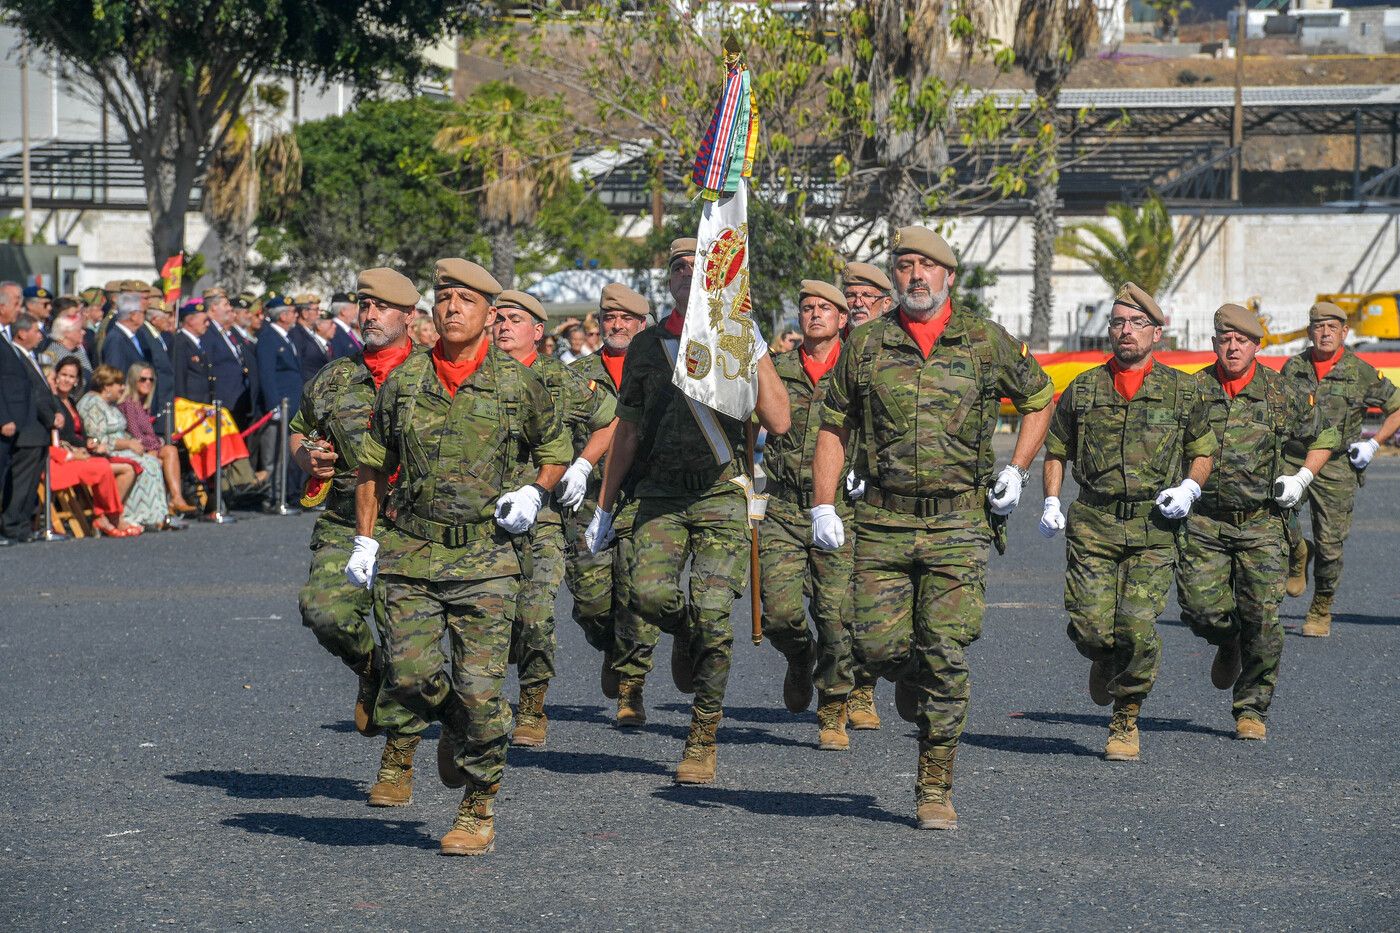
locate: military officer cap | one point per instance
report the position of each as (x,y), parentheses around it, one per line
(191,307)
(387,285)
(462,273)
(214,293)
(241,303)
(618,297)
(682,248)
(925,242)
(274,301)
(815,288)
(1131,296)
(1326,311)
(37,291)
(343,298)
(1233,317)
(863,273)
(525,302)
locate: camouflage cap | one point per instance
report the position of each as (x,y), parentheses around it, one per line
(1326,311)
(528,303)
(618,297)
(1230,317)
(925,242)
(1131,296)
(90,295)
(387,285)
(682,248)
(463,273)
(815,288)
(863,273)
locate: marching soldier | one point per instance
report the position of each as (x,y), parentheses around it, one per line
(686,506)
(792,566)
(580,406)
(327,434)
(866,289)
(1233,557)
(923,385)
(453,423)
(1129,426)
(1345,387)
(598,582)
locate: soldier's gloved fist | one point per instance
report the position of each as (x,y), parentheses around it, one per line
(827,530)
(516,511)
(1052,520)
(1006,491)
(1176,502)
(599,533)
(855,487)
(1361,452)
(569,492)
(362,566)
(1288,490)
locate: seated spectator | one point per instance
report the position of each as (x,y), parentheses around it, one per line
(423,332)
(77,458)
(141,424)
(67,343)
(547,345)
(577,348)
(592,333)
(104,422)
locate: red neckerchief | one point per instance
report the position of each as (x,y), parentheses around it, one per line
(1128,381)
(673,323)
(451,374)
(1323,367)
(385,360)
(816,368)
(1234,386)
(926,333)
(612,362)
(530,360)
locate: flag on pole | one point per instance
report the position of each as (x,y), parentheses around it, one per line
(194,422)
(717,362)
(170,276)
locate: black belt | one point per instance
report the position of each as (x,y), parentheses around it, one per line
(1235,517)
(802,498)
(923,506)
(442,533)
(1120,507)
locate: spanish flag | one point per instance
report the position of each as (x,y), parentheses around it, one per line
(171,277)
(194,424)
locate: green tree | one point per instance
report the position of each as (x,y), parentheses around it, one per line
(971,279)
(1144,249)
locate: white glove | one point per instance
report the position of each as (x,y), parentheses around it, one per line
(569,492)
(1052,520)
(1361,452)
(855,487)
(1288,490)
(1006,491)
(827,530)
(599,533)
(361,568)
(1176,502)
(516,511)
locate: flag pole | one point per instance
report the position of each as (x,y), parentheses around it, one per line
(755,578)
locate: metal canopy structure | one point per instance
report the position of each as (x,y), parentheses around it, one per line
(82,176)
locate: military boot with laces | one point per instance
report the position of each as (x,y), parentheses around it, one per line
(860,708)
(698,762)
(1123,733)
(1318,623)
(394,785)
(631,707)
(933,795)
(1297,582)
(474,830)
(365,696)
(831,721)
(531,723)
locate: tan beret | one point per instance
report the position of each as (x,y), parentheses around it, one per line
(1233,317)
(388,286)
(307,298)
(925,242)
(214,293)
(863,273)
(815,288)
(153,291)
(1326,311)
(462,273)
(682,248)
(524,301)
(618,297)
(114,286)
(132,285)
(1133,297)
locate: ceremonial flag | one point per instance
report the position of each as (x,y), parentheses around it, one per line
(194,422)
(170,276)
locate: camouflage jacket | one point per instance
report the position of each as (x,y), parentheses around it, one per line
(1131,450)
(591,368)
(787,458)
(1352,387)
(1251,430)
(930,422)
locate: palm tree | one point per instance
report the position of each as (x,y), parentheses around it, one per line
(517,146)
(1144,250)
(1051,36)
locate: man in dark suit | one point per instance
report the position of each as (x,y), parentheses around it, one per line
(28,412)
(345,313)
(312,351)
(228,367)
(193,375)
(124,344)
(279,370)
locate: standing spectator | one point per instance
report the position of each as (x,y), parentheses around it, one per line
(78,459)
(10,298)
(547,345)
(140,424)
(592,333)
(192,371)
(224,349)
(423,332)
(28,412)
(67,333)
(312,351)
(38,304)
(576,349)
(280,374)
(105,423)
(346,314)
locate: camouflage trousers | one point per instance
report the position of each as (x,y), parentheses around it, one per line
(532,639)
(476,617)
(1230,584)
(794,572)
(1118,575)
(920,588)
(710,531)
(598,582)
(1331,497)
(338,614)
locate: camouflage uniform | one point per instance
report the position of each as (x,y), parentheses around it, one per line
(446,565)
(1352,387)
(1234,557)
(337,405)
(923,529)
(1121,549)
(792,567)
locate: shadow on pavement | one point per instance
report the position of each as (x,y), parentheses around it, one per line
(1028,744)
(583,762)
(568,713)
(742,713)
(347,726)
(781,803)
(1146,723)
(255,786)
(335,830)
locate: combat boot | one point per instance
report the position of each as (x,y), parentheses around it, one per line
(1099,675)
(1247,727)
(1318,623)
(1298,570)
(608,678)
(860,708)
(474,830)
(531,723)
(831,720)
(933,795)
(631,708)
(1225,669)
(394,785)
(797,683)
(365,697)
(698,762)
(682,666)
(906,701)
(1123,733)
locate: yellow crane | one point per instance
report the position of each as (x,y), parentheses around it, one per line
(1374,315)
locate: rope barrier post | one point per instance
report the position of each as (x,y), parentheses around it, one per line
(49,534)
(219,516)
(282,507)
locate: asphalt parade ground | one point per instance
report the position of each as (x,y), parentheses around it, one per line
(179,755)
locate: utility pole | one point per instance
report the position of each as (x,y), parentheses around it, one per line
(26,197)
(1237,123)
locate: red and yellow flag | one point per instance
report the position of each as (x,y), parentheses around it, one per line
(171,275)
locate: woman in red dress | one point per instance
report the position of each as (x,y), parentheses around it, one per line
(78,459)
